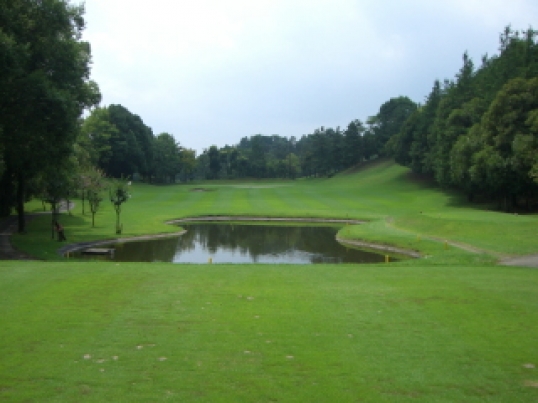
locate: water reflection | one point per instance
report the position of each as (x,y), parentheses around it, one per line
(232,243)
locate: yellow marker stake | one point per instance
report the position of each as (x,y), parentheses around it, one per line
(387,258)
(210,260)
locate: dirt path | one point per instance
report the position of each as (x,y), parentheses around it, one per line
(527,261)
(503,259)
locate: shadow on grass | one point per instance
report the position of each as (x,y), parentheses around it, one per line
(455,197)
(42,223)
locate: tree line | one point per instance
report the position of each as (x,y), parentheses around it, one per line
(47,149)
(479,131)
(119,143)
(324,152)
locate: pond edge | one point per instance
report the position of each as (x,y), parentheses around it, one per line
(376,246)
(386,248)
(83,245)
(261,219)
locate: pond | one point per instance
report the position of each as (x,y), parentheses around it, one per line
(245,243)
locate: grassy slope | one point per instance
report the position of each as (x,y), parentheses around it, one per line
(399,208)
(452,327)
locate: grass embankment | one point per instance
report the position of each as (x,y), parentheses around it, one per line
(451,327)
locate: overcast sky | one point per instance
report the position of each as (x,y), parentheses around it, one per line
(214,71)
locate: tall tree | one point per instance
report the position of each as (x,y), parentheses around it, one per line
(353,153)
(166,160)
(94,137)
(132,145)
(188,163)
(45,87)
(94,186)
(451,121)
(119,194)
(509,132)
(390,119)
(258,159)
(214,162)
(421,152)
(320,148)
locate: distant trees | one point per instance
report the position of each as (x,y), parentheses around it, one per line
(96,132)
(477,132)
(353,150)
(411,145)
(389,120)
(119,143)
(214,162)
(166,158)
(324,152)
(187,159)
(257,155)
(131,145)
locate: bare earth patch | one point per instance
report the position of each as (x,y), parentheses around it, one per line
(527,261)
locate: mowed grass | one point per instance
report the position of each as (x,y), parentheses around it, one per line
(450,327)
(381,193)
(157,332)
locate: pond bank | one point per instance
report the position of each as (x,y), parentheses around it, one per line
(83,245)
(376,246)
(373,246)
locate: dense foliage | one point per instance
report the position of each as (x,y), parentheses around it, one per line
(479,132)
(119,143)
(323,152)
(44,87)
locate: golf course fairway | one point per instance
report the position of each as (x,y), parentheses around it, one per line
(451,326)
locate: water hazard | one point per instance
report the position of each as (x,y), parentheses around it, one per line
(245,243)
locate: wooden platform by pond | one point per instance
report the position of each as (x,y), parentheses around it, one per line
(98,251)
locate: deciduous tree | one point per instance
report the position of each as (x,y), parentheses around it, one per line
(119,194)
(45,87)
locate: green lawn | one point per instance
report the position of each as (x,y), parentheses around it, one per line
(399,209)
(450,327)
